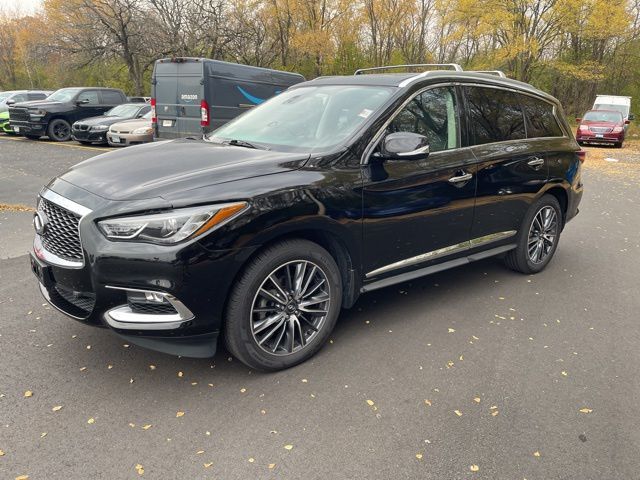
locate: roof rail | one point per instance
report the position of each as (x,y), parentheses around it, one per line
(453,66)
(498,73)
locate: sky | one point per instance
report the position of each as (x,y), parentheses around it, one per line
(21,6)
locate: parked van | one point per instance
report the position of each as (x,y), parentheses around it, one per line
(614,102)
(192,96)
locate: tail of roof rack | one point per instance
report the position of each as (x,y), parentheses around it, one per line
(452,66)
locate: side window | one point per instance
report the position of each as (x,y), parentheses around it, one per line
(431,113)
(19,97)
(37,96)
(495,115)
(144,110)
(109,97)
(541,122)
(91,95)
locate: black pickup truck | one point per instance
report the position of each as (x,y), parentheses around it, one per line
(54,116)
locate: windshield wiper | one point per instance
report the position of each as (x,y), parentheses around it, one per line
(243,143)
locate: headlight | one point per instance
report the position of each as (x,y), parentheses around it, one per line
(584,128)
(173,226)
(143,131)
(100,128)
(617,129)
(37,113)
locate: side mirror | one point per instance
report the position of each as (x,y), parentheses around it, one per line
(10,102)
(578,119)
(404,146)
(632,116)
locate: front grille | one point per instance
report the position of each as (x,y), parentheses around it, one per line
(120,132)
(600,129)
(80,127)
(19,114)
(61,236)
(151,308)
(77,304)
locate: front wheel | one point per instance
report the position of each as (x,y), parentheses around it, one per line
(284,306)
(59,130)
(538,237)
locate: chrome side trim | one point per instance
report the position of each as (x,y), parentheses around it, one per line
(64,202)
(183,312)
(441,252)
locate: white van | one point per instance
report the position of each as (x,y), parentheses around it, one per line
(614,102)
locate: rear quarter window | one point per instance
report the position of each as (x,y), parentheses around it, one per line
(541,121)
(495,115)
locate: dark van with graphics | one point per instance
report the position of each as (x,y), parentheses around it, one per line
(192,96)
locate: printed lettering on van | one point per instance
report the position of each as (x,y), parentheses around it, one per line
(188,97)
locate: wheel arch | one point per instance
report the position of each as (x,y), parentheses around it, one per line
(561,195)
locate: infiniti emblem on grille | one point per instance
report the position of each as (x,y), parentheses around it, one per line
(40,222)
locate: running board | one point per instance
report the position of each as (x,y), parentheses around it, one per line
(422,272)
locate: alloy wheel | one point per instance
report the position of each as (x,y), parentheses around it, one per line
(542,234)
(290,307)
(60,131)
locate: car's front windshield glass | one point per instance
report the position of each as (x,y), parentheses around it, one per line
(623,109)
(63,95)
(124,111)
(305,118)
(4,96)
(602,116)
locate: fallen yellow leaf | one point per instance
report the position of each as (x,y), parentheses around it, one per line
(476,399)
(272,466)
(152,367)
(180,374)
(427,402)
(207,465)
(419,456)
(28,394)
(146,427)
(288,447)
(56,408)
(564,374)
(451,330)
(43,434)
(536,454)
(91,421)
(1,453)
(474,468)
(23,477)
(494,413)
(586,410)
(370,403)
(458,413)
(304,380)
(179,414)
(251,460)
(140,469)
(242,390)
(132,425)
(199,452)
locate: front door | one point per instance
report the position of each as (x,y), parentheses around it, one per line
(419,211)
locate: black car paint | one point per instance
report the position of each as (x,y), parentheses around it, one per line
(82,129)
(69,111)
(366,212)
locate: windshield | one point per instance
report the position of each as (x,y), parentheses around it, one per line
(623,109)
(63,95)
(306,118)
(124,111)
(4,96)
(603,116)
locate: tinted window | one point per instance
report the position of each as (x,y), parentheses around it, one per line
(541,122)
(495,115)
(110,97)
(20,97)
(37,96)
(91,95)
(432,113)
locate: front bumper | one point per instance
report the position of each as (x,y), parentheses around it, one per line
(28,128)
(100,289)
(89,136)
(607,138)
(126,139)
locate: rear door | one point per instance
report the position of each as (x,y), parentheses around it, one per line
(178,93)
(511,169)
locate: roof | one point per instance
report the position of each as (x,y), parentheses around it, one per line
(402,80)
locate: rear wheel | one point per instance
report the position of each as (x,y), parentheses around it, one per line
(59,130)
(538,237)
(284,306)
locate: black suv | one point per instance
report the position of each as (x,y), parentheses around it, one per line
(54,116)
(265,229)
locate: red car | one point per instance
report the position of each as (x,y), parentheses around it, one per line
(601,126)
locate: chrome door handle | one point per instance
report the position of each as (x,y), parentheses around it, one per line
(461,178)
(536,162)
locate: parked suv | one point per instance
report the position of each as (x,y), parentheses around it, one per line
(265,229)
(55,115)
(601,126)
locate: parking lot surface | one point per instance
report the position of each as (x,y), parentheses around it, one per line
(474,373)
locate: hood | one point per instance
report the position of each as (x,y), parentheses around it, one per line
(100,120)
(44,104)
(164,168)
(130,125)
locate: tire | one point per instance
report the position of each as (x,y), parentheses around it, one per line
(619,145)
(530,257)
(242,331)
(59,130)
(33,137)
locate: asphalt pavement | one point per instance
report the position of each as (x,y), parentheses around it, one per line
(473,373)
